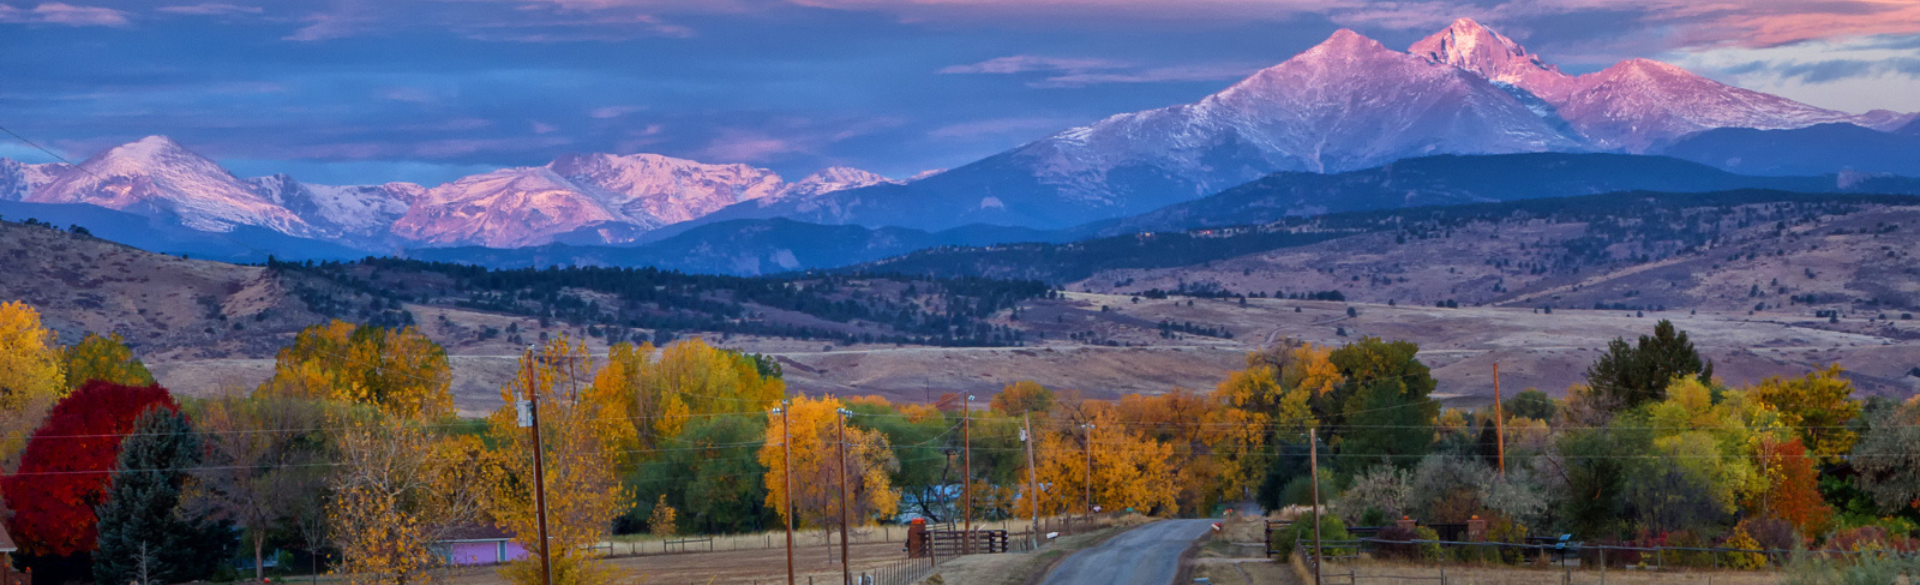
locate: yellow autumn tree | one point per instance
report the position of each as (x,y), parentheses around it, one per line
(1285,383)
(657,396)
(1713,439)
(397,489)
(1025,396)
(583,492)
(1817,407)
(816,462)
(399,371)
(31,378)
(1130,468)
(1216,448)
(106,359)
(647,415)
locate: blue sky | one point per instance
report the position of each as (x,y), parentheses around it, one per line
(343,91)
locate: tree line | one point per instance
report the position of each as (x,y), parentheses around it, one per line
(353,454)
(622,302)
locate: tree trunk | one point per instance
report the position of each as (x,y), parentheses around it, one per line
(259,569)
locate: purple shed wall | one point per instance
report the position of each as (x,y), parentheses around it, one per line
(483,553)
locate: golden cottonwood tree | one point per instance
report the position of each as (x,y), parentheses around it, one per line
(1130,468)
(816,467)
(647,414)
(1817,407)
(106,359)
(583,493)
(656,396)
(31,378)
(397,489)
(1217,450)
(398,370)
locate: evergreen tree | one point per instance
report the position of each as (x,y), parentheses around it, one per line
(145,536)
(1633,375)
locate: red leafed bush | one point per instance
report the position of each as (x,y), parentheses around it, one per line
(64,472)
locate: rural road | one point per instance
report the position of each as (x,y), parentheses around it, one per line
(1148,555)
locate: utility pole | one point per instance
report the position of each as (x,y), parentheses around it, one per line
(1313,467)
(966,476)
(786,464)
(1089,486)
(1033,482)
(1499,422)
(846,568)
(539,468)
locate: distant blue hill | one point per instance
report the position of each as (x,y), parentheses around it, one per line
(765,246)
(776,245)
(1813,150)
(243,245)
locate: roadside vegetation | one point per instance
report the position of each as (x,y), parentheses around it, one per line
(350,458)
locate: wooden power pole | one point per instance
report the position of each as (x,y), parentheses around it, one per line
(1033,482)
(786,463)
(966,476)
(846,568)
(1499,422)
(1313,471)
(539,468)
(1089,485)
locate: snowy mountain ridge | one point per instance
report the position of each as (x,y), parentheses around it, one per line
(625,195)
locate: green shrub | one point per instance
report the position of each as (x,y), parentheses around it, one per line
(1430,551)
(1301,531)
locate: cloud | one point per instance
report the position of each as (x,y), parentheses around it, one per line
(411,94)
(1075,72)
(1854,74)
(780,139)
(65,14)
(736,145)
(608,112)
(1155,75)
(1000,126)
(211,9)
(1031,63)
(326,26)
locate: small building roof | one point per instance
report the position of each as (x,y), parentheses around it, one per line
(482,531)
(6,541)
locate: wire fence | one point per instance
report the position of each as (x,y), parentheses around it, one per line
(1565,557)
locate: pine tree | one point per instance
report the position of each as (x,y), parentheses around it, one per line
(145,536)
(1631,375)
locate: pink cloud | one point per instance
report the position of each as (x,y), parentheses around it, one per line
(64,14)
(608,112)
(1156,75)
(211,9)
(1030,63)
(743,146)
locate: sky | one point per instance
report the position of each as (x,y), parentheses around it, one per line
(365,91)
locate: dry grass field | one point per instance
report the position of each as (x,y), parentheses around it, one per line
(1548,351)
(206,327)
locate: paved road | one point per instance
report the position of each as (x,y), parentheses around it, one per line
(1148,555)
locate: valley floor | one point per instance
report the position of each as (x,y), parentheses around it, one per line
(1074,344)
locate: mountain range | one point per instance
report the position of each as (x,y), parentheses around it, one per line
(1348,103)
(600,197)
(1285,140)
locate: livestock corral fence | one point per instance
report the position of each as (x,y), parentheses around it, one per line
(1333,558)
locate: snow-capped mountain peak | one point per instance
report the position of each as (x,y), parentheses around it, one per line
(832,179)
(156,176)
(1472,46)
(1640,105)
